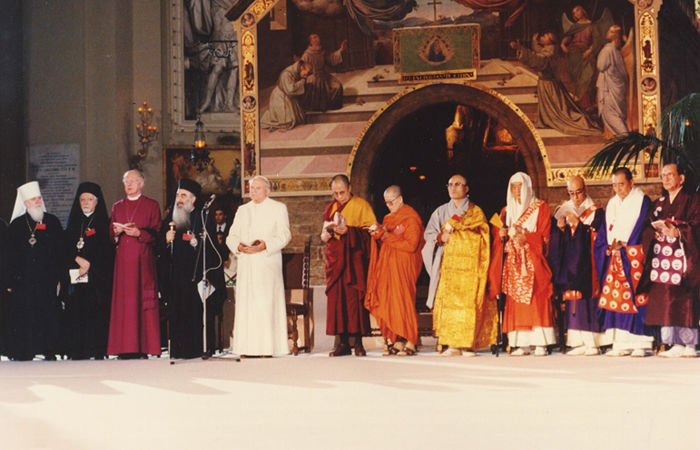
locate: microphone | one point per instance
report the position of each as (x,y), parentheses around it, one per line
(171,225)
(210,201)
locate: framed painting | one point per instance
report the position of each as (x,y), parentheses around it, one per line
(436,52)
(221,176)
(203,67)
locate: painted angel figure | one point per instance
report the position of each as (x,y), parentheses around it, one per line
(582,40)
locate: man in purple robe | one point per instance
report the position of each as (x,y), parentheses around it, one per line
(672,272)
(134,329)
(619,262)
(571,260)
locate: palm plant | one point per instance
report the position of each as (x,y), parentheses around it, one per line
(679,143)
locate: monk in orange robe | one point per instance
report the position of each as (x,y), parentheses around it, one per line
(395,263)
(527,278)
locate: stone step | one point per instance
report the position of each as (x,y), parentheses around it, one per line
(353,112)
(365,97)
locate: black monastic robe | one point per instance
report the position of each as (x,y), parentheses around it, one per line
(182,269)
(33,275)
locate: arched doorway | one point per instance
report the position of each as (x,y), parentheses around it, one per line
(405,144)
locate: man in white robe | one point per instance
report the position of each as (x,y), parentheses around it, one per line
(259,232)
(612,84)
(432,251)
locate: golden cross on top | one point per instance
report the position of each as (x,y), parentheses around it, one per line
(434,3)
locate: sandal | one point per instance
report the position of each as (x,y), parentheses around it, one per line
(407,350)
(393,349)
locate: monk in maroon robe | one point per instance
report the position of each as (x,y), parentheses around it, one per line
(672,270)
(345,223)
(134,329)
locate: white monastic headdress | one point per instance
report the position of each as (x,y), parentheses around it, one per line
(24,193)
(514,209)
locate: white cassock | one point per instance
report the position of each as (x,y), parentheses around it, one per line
(260,324)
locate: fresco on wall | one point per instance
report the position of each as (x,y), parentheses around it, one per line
(204,65)
(329,68)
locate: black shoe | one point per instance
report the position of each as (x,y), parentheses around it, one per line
(341,350)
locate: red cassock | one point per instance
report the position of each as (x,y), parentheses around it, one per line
(134,323)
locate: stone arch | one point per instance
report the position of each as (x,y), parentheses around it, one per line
(369,144)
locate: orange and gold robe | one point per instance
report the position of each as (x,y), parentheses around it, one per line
(463,317)
(395,264)
(527,280)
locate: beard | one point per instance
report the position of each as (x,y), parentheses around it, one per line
(181,217)
(37,214)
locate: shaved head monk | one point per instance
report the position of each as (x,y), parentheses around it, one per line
(395,263)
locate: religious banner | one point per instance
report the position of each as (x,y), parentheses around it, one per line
(449,52)
(57,169)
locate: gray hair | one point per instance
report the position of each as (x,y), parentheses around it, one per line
(137,172)
(260,177)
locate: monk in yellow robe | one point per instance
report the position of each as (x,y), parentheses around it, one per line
(395,263)
(463,318)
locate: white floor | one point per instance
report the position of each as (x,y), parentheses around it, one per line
(317,402)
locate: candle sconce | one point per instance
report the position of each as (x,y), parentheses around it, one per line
(147,133)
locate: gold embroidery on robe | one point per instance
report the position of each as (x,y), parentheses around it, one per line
(463,317)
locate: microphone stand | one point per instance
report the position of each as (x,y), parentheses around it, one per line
(501,301)
(204,236)
(204,216)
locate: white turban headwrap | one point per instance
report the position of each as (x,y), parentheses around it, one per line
(514,209)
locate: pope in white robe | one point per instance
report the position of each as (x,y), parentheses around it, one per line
(259,232)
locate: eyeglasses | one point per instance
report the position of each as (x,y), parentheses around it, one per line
(449,185)
(390,202)
(576,192)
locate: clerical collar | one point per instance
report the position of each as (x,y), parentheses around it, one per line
(134,198)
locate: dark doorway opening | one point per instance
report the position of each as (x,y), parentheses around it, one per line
(414,155)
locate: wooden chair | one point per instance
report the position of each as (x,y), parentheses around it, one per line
(296,268)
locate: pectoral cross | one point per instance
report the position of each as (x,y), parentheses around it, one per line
(434,3)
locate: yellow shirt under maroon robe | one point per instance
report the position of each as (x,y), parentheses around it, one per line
(463,317)
(393,272)
(346,268)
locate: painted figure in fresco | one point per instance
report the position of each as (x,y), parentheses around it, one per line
(612,84)
(555,107)
(581,42)
(284,111)
(207,22)
(323,91)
